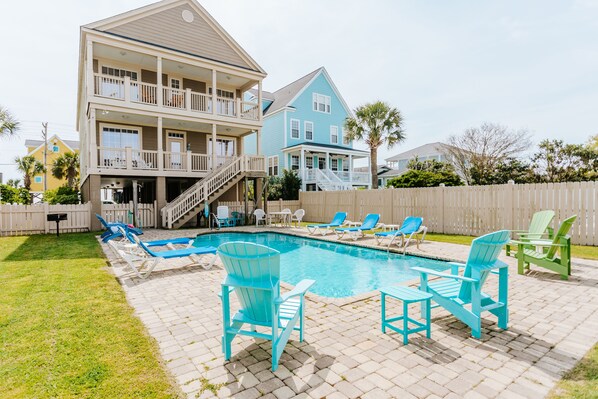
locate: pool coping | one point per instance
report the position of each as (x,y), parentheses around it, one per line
(322,299)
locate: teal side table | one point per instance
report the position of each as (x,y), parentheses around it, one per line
(407,295)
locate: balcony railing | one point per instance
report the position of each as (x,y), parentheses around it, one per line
(133,159)
(345,176)
(147,93)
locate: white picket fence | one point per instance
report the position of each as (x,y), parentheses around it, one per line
(469,210)
(31,219)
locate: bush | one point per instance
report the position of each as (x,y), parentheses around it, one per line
(426,174)
(291,184)
(62,195)
(13,195)
(274,188)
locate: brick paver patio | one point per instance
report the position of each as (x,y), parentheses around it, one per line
(553,323)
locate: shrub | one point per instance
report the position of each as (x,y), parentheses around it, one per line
(62,195)
(14,195)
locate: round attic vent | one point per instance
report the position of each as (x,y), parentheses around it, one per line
(187,16)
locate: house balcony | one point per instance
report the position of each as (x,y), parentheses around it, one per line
(134,92)
(327,179)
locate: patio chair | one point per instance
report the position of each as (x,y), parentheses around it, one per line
(561,243)
(223,217)
(238,217)
(297,217)
(462,295)
(142,260)
(253,272)
(113,231)
(369,223)
(412,226)
(337,221)
(260,216)
(538,229)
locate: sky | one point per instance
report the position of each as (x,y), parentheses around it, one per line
(445,65)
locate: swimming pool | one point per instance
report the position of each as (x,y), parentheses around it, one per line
(339,270)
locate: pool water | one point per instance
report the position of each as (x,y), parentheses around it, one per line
(339,270)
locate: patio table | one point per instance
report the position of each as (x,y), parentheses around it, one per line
(283,217)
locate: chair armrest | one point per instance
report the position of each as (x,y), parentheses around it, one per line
(300,289)
(230,289)
(458,264)
(423,270)
(541,243)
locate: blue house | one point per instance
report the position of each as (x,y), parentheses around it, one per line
(304,131)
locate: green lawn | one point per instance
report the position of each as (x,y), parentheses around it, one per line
(582,381)
(66,330)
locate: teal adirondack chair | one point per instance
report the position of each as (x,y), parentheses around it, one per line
(560,243)
(462,294)
(253,273)
(539,228)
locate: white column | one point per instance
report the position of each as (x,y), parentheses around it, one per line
(160,140)
(326,163)
(259,99)
(89,65)
(302,168)
(93,146)
(214,103)
(258,138)
(160,97)
(351,169)
(214,146)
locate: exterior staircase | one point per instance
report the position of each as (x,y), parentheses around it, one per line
(327,180)
(187,205)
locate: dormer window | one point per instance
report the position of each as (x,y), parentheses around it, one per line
(321,103)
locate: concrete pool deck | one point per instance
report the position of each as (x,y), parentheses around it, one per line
(553,323)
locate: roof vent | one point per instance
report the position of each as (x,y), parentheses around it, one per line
(187,16)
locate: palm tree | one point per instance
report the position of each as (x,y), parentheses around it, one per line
(13,183)
(67,166)
(375,124)
(29,166)
(8,124)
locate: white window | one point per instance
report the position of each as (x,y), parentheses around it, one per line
(118,72)
(294,162)
(345,165)
(309,162)
(175,83)
(273,165)
(116,137)
(321,103)
(38,179)
(309,131)
(223,93)
(295,129)
(334,164)
(333,134)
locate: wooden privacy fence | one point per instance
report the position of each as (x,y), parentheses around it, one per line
(273,206)
(147,214)
(468,210)
(31,219)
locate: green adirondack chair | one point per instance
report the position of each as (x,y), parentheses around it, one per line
(561,244)
(253,273)
(538,229)
(462,294)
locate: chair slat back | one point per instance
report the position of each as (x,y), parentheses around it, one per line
(339,218)
(539,223)
(222,212)
(370,221)
(411,224)
(561,233)
(482,256)
(253,265)
(103,221)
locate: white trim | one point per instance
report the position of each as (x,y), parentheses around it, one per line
(323,150)
(54,137)
(184,133)
(298,162)
(218,136)
(117,126)
(305,130)
(337,136)
(314,99)
(277,165)
(298,129)
(285,131)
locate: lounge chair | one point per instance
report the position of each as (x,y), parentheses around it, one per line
(561,243)
(142,260)
(337,221)
(369,223)
(411,226)
(253,272)
(297,217)
(538,229)
(462,294)
(223,218)
(112,230)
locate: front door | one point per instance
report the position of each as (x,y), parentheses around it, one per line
(321,162)
(175,145)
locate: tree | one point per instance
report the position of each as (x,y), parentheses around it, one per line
(509,169)
(556,161)
(14,195)
(482,149)
(62,195)
(8,124)
(67,166)
(375,123)
(13,182)
(430,173)
(290,185)
(29,166)
(274,188)
(593,143)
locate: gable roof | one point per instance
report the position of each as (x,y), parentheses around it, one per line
(179,25)
(421,151)
(285,96)
(71,144)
